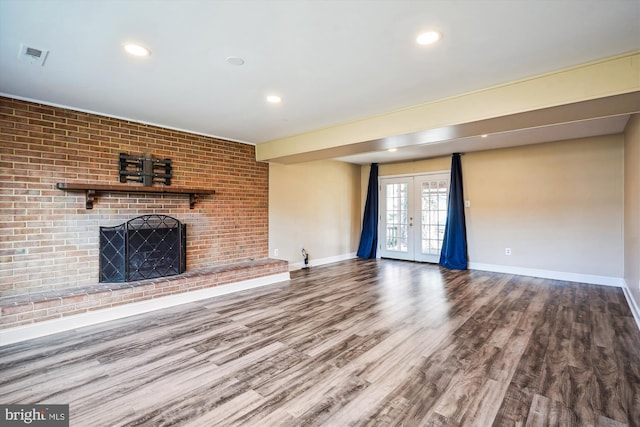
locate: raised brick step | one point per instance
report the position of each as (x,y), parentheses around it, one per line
(37,307)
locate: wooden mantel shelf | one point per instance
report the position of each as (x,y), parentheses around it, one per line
(91,190)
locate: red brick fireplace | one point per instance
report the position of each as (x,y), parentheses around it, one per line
(49,240)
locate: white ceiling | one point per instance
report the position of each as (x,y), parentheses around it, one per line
(331,61)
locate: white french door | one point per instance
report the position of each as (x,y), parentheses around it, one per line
(413,214)
(395,231)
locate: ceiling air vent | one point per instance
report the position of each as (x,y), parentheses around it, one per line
(32,55)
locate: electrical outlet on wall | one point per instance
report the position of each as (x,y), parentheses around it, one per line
(276,252)
(507,251)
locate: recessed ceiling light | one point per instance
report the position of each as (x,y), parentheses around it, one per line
(429,37)
(235,60)
(274,99)
(392,150)
(136,49)
(484,136)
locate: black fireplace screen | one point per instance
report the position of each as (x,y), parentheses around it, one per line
(143,248)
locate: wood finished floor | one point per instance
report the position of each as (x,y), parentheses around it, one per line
(361,342)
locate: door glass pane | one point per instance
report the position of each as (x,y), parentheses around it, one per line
(433,215)
(396,238)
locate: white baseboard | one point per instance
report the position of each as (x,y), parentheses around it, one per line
(40,329)
(618,282)
(632,303)
(322,261)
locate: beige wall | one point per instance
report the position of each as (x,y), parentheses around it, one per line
(315,205)
(632,207)
(558,206)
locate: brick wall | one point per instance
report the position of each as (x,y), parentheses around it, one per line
(48,240)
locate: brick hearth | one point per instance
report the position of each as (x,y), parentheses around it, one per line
(48,305)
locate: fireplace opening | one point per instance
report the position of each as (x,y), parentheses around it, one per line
(145,247)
